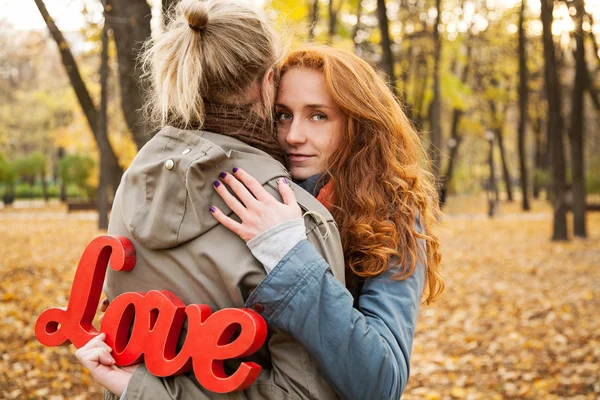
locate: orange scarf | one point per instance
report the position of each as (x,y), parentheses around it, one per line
(326,195)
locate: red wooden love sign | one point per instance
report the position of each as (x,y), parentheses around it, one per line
(159,318)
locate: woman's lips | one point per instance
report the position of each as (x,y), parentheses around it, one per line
(297,158)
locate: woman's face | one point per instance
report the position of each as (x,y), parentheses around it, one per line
(309,124)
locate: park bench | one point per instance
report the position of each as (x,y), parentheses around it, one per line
(83,206)
(591,205)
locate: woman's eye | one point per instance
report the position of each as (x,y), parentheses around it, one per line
(281,116)
(319,117)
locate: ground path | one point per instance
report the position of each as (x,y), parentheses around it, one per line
(518,319)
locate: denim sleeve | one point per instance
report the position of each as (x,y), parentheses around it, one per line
(365,353)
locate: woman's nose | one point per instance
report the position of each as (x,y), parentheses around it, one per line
(295,134)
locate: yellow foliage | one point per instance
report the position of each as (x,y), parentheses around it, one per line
(518,318)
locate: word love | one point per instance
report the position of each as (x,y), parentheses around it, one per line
(158,317)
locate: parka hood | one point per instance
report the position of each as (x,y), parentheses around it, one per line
(168,189)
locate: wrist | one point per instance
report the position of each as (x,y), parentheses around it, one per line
(272,245)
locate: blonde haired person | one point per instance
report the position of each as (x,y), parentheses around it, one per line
(212,91)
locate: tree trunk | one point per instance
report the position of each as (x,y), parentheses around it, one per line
(456,140)
(523,93)
(589,82)
(593,38)
(435,147)
(456,116)
(44,185)
(593,92)
(577,126)
(505,172)
(498,129)
(167,6)
(423,79)
(539,156)
(493,195)
(85,100)
(81,92)
(104,170)
(386,45)
(333,14)
(130,22)
(555,125)
(357,27)
(63,189)
(313,20)
(406,71)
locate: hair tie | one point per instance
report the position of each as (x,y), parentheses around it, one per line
(195,28)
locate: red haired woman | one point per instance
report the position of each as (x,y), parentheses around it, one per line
(348,142)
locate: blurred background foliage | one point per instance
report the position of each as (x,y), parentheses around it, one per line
(466,51)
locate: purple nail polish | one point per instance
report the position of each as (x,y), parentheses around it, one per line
(236,169)
(223,175)
(217,183)
(285,181)
(212,209)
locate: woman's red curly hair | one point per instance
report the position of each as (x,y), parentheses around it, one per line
(381,174)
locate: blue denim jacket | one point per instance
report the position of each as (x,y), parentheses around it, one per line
(364,353)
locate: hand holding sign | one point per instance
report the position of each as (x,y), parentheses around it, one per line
(95,356)
(159,317)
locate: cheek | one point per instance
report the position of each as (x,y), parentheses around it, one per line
(281,134)
(333,139)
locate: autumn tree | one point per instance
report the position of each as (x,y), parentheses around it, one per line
(102,193)
(313,19)
(435,109)
(523,94)
(334,10)
(386,45)
(555,125)
(130,22)
(577,126)
(85,100)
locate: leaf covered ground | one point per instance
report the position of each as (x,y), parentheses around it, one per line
(519,318)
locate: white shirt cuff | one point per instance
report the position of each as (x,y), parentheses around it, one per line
(273,244)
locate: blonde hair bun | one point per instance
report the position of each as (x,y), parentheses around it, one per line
(195,13)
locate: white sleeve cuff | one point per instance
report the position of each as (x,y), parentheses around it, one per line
(273,244)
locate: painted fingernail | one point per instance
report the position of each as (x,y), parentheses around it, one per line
(236,169)
(223,175)
(213,209)
(285,181)
(217,183)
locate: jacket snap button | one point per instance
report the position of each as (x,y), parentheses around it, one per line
(186,151)
(259,308)
(169,164)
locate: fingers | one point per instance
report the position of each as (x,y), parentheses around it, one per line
(228,223)
(253,185)
(230,200)
(239,189)
(95,351)
(287,194)
(102,356)
(95,343)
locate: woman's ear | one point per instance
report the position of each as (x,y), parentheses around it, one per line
(270,76)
